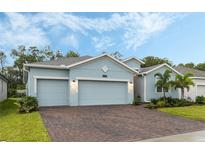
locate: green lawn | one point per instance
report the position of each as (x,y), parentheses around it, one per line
(20,127)
(192,112)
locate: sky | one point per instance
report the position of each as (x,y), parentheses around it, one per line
(179,37)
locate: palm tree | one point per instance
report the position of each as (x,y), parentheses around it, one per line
(183,82)
(163,81)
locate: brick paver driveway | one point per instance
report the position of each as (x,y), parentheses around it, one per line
(113,123)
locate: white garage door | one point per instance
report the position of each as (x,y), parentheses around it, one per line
(52,92)
(102,93)
(201,90)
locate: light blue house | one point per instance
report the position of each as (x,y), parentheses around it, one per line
(76,81)
(101,80)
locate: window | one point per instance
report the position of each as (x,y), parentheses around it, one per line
(160,89)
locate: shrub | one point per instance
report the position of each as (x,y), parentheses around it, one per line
(161,104)
(12,92)
(27,104)
(21,93)
(154,101)
(200,100)
(170,102)
(137,101)
(151,106)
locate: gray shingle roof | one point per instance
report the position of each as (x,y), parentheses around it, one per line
(145,69)
(64,61)
(195,72)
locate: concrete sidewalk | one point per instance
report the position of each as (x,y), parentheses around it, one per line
(198,136)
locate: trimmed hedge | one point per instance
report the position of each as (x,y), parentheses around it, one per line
(170,102)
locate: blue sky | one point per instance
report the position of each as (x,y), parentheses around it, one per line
(177,36)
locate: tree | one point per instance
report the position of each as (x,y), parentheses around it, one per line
(58,54)
(190,65)
(183,82)
(2,61)
(200,66)
(117,55)
(72,54)
(23,55)
(151,61)
(163,81)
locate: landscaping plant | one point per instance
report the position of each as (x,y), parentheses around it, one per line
(183,82)
(137,101)
(163,82)
(200,100)
(27,104)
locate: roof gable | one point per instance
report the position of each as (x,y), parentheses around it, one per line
(133,58)
(101,56)
(153,68)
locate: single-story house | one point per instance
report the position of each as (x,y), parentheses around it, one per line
(101,80)
(78,81)
(3,87)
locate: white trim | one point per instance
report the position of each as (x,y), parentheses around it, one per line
(197,77)
(35,86)
(160,67)
(45,66)
(145,88)
(102,79)
(102,55)
(46,77)
(129,58)
(51,78)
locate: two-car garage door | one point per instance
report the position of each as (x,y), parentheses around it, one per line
(201,90)
(56,92)
(102,93)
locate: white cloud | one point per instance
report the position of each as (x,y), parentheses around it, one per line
(18,30)
(134,29)
(70,40)
(137,27)
(101,44)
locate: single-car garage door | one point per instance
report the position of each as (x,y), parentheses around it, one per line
(52,92)
(201,90)
(102,93)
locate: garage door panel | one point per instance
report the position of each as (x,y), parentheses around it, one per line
(102,93)
(201,90)
(52,92)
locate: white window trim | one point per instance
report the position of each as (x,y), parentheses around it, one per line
(48,78)
(103,79)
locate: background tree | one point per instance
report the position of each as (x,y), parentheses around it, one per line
(183,82)
(72,54)
(117,55)
(2,61)
(58,54)
(151,61)
(189,65)
(163,81)
(200,66)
